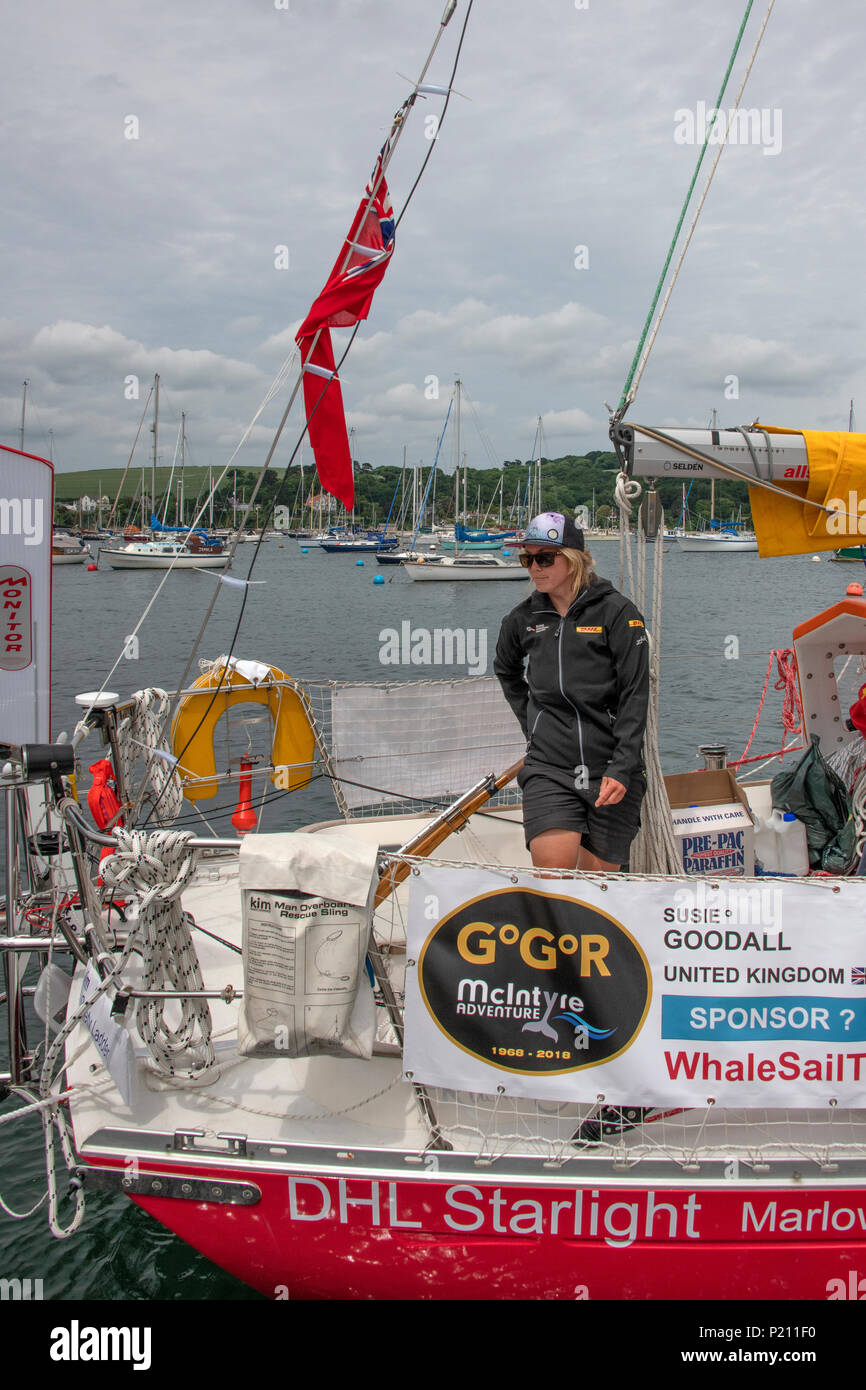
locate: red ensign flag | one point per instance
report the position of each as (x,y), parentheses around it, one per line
(345,299)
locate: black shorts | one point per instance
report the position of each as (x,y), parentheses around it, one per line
(552,802)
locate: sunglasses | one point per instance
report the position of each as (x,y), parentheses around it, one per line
(544,559)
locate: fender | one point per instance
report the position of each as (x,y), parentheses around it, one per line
(194,726)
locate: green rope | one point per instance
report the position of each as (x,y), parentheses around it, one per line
(652,308)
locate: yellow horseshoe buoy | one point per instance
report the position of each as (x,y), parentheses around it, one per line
(192,732)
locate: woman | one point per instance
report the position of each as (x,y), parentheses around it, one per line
(582,703)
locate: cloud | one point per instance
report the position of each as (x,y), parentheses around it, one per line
(570,422)
(259,127)
(70,350)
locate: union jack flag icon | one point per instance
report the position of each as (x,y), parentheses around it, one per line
(858,974)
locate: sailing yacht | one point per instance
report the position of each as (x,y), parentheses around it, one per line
(170,547)
(726,540)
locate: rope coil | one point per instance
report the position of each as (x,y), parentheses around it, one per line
(157,867)
(141,736)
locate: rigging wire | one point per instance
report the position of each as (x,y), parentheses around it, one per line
(486,441)
(129,461)
(647,338)
(397,127)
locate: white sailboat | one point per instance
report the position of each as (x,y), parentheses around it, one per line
(451,569)
(719,542)
(177,549)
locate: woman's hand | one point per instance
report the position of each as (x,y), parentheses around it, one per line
(611,792)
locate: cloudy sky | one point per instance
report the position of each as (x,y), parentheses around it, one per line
(526,259)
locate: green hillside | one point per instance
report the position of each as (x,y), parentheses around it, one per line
(567,483)
(92,482)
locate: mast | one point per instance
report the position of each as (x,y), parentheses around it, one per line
(456,496)
(457,385)
(23,408)
(155,429)
(403,491)
(712,480)
(182,460)
(303,495)
(352,461)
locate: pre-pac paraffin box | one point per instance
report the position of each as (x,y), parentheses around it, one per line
(712,824)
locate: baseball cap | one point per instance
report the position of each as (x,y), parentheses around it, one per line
(552,528)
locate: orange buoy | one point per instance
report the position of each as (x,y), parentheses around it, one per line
(244,818)
(855,590)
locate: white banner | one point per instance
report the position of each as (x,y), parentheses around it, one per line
(751,993)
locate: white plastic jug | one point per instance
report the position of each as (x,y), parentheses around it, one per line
(780,845)
(794,845)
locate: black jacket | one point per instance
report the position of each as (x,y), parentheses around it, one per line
(583,699)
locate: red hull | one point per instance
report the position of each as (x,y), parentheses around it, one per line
(318,1236)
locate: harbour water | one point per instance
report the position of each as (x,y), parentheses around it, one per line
(321,616)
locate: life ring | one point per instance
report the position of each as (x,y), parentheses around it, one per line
(193,729)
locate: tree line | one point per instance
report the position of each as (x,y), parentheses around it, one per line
(569,482)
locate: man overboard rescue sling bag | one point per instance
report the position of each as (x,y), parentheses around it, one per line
(307,909)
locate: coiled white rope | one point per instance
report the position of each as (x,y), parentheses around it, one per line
(158,866)
(140,736)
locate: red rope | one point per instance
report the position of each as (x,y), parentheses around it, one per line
(792,710)
(762,757)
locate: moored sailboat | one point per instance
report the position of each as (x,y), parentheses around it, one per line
(165,546)
(451,569)
(69,550)
(189,553)
(722,541)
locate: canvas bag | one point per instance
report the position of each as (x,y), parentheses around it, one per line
(307,911)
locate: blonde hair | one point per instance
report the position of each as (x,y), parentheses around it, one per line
(581,567)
